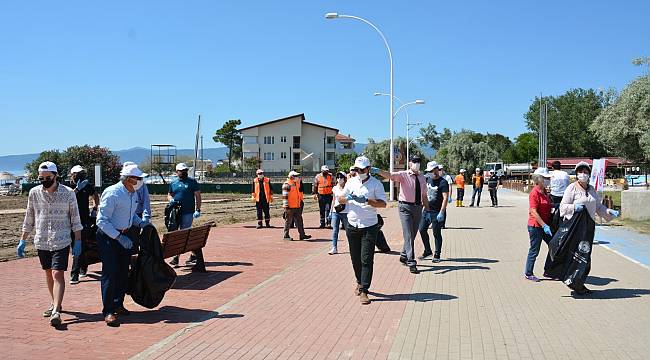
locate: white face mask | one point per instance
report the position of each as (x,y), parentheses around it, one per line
(260,177)
(138,185)
(363,176)
(547,182)
(583,178)
(415,167)
(340,181)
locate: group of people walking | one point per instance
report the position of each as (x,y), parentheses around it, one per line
(60,218)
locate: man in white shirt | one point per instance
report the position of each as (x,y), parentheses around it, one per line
(559,182)
(362,195)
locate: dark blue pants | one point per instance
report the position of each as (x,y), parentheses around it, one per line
(429,218)
(115,272)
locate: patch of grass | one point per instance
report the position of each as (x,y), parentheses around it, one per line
(639,226)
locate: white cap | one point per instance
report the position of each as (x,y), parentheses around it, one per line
(583,164)
(293,173)
(478,169)
(462,170)
(324,168)
(361,162)
(543,171)
(132,170)
(77,169)
(47,166)
(259,171)
(127,163)
(352,168)
(432,165)
(182,166)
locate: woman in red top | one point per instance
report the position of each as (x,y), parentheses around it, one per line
(539,214)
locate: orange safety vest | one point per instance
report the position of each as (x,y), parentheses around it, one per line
(295,196)
(460,181)
(325,184)
(267,190)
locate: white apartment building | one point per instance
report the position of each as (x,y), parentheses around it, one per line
(290,143)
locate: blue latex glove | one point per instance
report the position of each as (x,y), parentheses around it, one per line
(82,185)
(449,199)
(361,199)
(125,241)
(197,214)
(579,208)
(614,213)
(20,249)
(440,217)
(547,230)
(374,170)
(349,197)
(76,248)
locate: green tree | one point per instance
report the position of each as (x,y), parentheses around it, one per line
(499,143)
(231,138)
(345,161)
(569,118)
(86,156)
(624,126)
(463,150)
(430,136)
(524,150)
(378,152)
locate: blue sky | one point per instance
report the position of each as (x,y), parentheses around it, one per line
(132,73)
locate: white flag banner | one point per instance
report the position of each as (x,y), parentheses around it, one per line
(597,179)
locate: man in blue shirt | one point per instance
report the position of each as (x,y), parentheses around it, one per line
(185,191)
(144,204)
(117,213)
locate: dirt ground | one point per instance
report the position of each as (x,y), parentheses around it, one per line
(223,209)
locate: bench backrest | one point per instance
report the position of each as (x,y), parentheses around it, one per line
(181,241)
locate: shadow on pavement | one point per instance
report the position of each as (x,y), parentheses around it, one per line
(165,314)
(463,228)
(445,269)
(472,260)
(609,294)
(419,297)
(599,281)
(202,281)
(227,263)
(316,240)
(600,242)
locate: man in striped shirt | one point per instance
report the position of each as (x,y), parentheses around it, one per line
(52,215)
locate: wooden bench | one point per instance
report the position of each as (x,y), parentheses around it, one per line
(181,241)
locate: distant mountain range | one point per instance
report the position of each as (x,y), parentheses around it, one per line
(139,154)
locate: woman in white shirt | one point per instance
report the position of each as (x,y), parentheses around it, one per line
(580,196)
(339,211)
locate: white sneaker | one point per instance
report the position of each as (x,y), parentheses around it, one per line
(55,319)
(333,251)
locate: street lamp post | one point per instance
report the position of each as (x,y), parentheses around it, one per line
(390,59)
(408,123)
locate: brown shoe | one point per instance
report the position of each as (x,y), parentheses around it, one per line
(363,297)
(357,290)
(111,320)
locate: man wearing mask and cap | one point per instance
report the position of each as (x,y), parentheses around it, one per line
(292,202)
(437,195)
(493,187)
(116,216)
(460,188)
(83,191)
(185,191)
(262,194)
(53,215)
(447,177)
(144,203)
(412,198)
(322,190)
(477,182)
(362,195)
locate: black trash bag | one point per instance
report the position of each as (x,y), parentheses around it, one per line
(381,243)
(173,216)
(89,247)
(151,276)
(570,250)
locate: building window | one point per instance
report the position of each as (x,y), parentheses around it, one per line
(269,156)
(330,156)
(269,140)
(347,146)
(296,159)
(250,155)
(330,142)
(283,139)
(250,139)
(296,142)
(283,155)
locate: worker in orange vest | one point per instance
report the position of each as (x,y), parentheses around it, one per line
(477,181)
(292,195)
(262,194)
(322,190)
(460,188)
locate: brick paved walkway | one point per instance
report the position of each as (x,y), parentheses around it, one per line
(265,298)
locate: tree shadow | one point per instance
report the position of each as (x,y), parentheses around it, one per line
(472,260)
(202,280)
(610,294)
(417,297)
(446,269)
(463,228)
(165,314)
(599,281)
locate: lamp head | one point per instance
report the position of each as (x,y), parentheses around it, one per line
(331,15)
(419,102)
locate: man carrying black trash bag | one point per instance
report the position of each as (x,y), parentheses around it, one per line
(572,245)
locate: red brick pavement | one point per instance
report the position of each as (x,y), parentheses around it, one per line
(239,257)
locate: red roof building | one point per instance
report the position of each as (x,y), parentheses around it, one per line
(570,163)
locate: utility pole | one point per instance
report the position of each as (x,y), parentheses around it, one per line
(543,140)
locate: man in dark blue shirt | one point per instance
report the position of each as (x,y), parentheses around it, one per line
(437,195)
(186,192)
